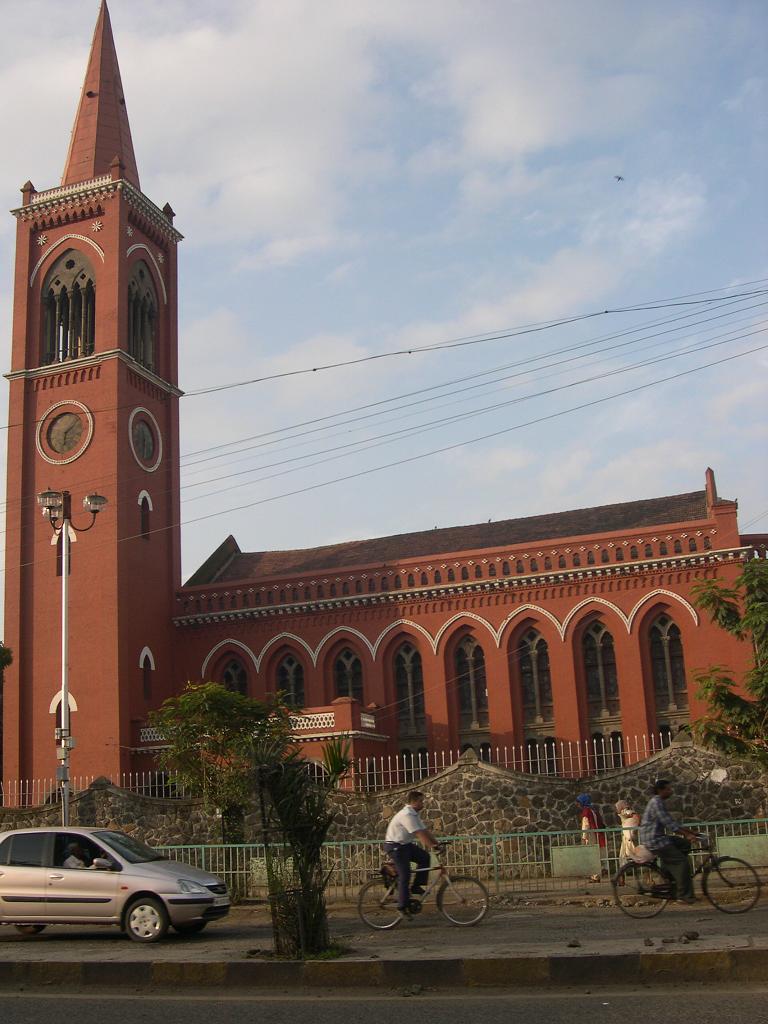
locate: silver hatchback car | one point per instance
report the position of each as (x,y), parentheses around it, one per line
(98,876)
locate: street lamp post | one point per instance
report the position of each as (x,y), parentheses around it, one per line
(57,508)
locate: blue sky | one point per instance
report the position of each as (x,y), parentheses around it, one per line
(359,178)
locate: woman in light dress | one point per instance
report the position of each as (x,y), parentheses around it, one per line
(630,821)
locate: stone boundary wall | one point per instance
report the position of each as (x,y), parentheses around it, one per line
(468,798)
(472,797)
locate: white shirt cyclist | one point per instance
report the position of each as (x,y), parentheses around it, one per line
(404,826)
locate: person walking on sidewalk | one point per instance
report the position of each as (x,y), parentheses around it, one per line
(630,820)
(671,850)
(592,826)
(405,827)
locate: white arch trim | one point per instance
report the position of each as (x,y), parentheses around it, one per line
(142,496)
(141,245)
(349,630)
(662,593)
(146,653)
(408,625)
(529,608)
(286,638)
(228,643)
(594,600)
(52,707)
(56,244)
(464,615)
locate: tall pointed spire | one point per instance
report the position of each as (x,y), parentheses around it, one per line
(101,131)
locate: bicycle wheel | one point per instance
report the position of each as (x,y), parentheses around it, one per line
(462,900)
(641,890)
(377,904)
(731,885)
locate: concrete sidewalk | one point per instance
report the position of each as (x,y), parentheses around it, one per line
(514,947)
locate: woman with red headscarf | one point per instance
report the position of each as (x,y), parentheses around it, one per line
(592,826)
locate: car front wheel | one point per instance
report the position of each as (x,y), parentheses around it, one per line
(146,920)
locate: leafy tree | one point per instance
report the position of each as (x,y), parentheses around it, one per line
(737,724)
(227,747)
(211,733)
(297,813)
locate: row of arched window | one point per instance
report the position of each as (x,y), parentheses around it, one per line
(531,674)
(69,311)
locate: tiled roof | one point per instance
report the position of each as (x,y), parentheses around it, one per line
(629,515)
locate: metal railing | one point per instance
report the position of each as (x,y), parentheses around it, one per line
(558,758)
(38,792)
(509,863)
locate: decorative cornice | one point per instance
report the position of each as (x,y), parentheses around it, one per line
(101,357)
(54,196)
(139,201)
(104,186)
(451,590)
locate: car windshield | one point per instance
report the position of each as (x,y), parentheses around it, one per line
(129,848)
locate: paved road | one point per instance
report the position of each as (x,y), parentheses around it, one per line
(507,931)
(699,1006)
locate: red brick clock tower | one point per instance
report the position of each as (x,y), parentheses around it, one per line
(93,408)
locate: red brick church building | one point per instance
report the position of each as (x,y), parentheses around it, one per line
(535,631)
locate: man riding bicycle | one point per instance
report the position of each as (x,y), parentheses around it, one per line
(671,850)
(403,829)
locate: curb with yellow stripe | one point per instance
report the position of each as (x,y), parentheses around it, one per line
(661,968)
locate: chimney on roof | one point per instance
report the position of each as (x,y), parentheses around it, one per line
(711,489)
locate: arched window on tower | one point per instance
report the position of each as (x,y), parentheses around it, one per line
(473,692)
(147,669)
(348,675)
(600,672)
(409,690)
(142,316)
(290,681)
(535,679)
(145,509)
(69,309)
(234,676)
(670,688)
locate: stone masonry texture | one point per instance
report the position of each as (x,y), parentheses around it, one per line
(469,798)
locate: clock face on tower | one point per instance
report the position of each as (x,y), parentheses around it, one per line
(145,439)
(64,432)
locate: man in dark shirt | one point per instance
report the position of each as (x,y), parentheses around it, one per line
(671,850)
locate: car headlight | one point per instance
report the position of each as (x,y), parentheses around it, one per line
(188,885)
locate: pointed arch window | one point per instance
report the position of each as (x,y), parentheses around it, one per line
(535,678)
(473,691)
(69,309)
(670,688)
(146,675)
(600,672)
(142,316)
(145,510)
(409,690)
(348,675)
(290,681)
(234,676)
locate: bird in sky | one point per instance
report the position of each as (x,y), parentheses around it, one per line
(619,177)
